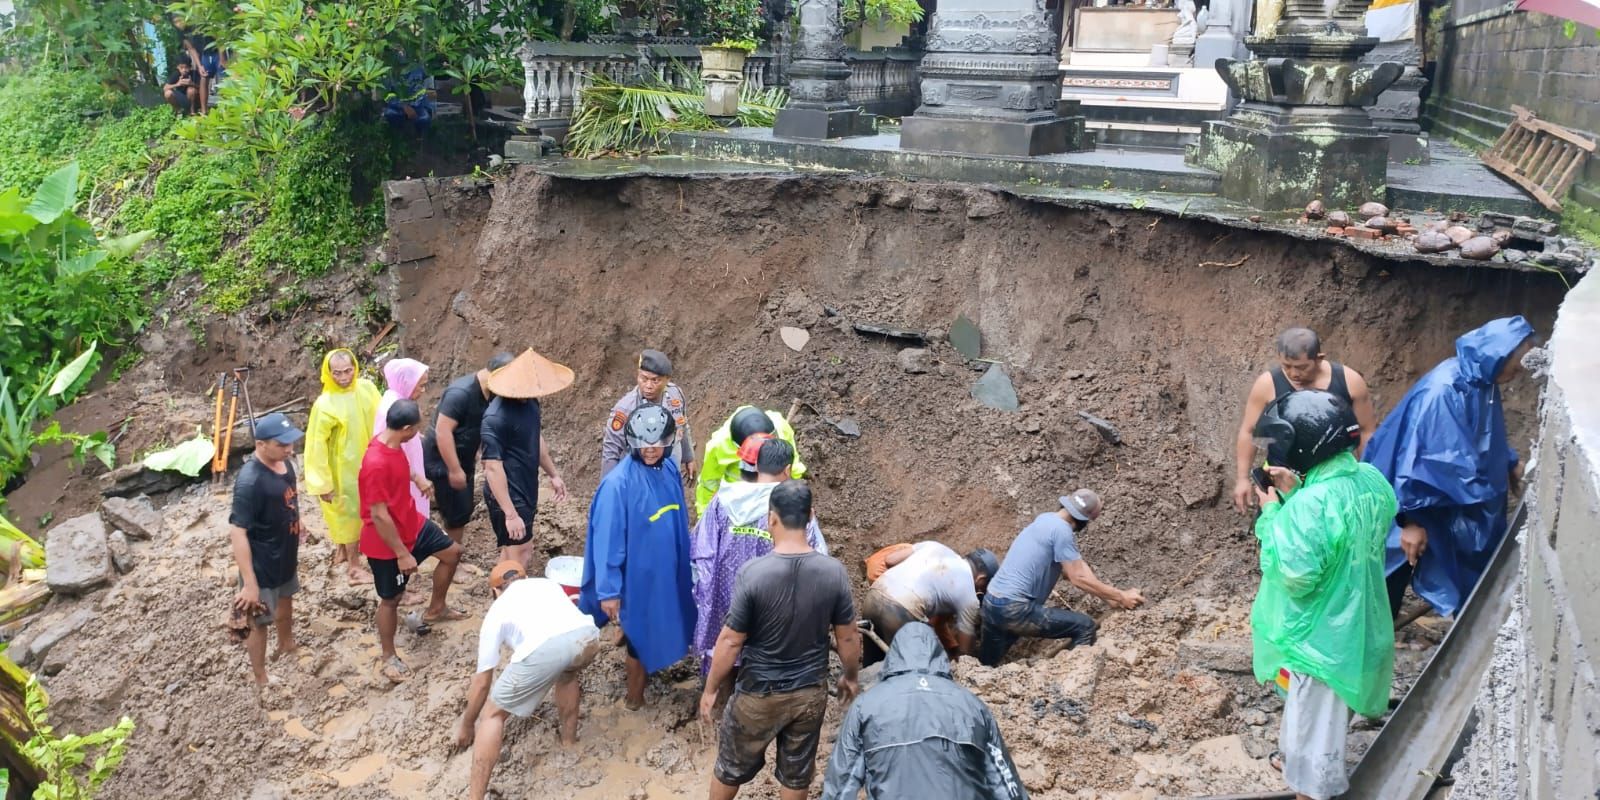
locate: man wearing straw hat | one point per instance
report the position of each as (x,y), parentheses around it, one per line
(551,641)
(514,450)
(651,385)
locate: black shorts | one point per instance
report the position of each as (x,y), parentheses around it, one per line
(455,506)
(386,575)
(497,521)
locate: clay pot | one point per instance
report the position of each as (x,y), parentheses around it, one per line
(1458,234)
(1438,225)
(1479,248)
(1432,242)
(1501,237)
(1338,219)
(1316,210)
(1388,226)
(1373,210)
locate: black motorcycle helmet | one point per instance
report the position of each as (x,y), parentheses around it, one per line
(1304,428)
(650,426)
(748,421)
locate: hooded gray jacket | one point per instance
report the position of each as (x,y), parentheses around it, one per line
(918,734)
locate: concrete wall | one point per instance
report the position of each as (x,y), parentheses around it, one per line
(1539,709)
(1493,57)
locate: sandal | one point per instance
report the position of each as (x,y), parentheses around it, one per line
(1275,760)
(447,615)
(396,670)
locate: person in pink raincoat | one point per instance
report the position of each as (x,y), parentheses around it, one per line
(406,378)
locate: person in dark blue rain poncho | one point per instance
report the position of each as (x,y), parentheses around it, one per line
(1445,451)
(636,562)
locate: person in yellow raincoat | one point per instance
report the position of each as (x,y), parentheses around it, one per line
(336,439)
(721,463)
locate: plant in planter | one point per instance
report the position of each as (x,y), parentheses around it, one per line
(733,25)
(856,13)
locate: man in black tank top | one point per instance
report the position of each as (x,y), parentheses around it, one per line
(1301,365)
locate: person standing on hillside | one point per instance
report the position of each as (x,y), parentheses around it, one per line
(266,534)
(551,641)
(514,450)
(394,537)
(651,385)
(1319,624)
(721,460)
(636,557)
(928,582)
(734,531)
(784,605)
(337,434)
(1301,365)
(1444,449)
(450,445)
(1014,606)
(919,734)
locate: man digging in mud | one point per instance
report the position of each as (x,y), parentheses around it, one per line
(636,557)
(394,536)
(650,385)
(337,434)
(1014,606)
(266,536)
(1320,624)
(551,641)
(930,583)
(450,445)
(1301,365)
(784,605)
(514,450)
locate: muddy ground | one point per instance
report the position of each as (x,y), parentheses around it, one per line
(1094,311)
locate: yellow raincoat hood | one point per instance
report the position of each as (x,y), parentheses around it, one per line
(337,434)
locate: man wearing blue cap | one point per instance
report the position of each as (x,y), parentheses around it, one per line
(266,534)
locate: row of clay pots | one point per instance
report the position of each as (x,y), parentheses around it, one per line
(1435,237)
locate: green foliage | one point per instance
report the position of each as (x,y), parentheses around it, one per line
(901,12)
(747,45)
(731,19)
(616,118)
(63,758)
(22,409)
(44,118)
(100,37)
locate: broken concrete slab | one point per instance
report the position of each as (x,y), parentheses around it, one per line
(1221,655)
(994,389)
(1106,430)
(911,337)
(121,552)
(848,427)
(77,556)
(137,517)
(915,360)
(35,645)
(794,338)
(966,338)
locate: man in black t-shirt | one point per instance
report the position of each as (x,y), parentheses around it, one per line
(513,452)
(450,445)
(266,536)
(784,605)
(182,89)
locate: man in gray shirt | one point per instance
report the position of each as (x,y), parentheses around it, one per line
(1044,551)
(784,605)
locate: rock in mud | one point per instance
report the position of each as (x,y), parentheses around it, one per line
(915,360)
(1459,234)
(925,202)
(1384,224)
(1514,256)
(897,198)
(34,645)
(1432,242)
(981,205)
(1216,656)
(1106,430)
(1479,248)
(1316,210)
(794,338)
(1373,209)
(77,556)
(994,389)
(137,517)
(121,552)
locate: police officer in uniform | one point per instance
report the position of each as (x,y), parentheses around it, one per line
(650,386)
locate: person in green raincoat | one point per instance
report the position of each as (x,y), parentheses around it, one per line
(1320,622)
(721,461)
(337,434)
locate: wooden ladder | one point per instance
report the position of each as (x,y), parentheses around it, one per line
(1538,156)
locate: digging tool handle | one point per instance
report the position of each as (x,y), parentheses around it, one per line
(219,454)
(233,414)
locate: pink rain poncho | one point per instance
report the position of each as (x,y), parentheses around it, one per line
(403,375)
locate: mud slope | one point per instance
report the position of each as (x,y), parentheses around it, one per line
(1103,312)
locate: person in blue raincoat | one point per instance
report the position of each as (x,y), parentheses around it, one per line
(1445,451)
(636,562)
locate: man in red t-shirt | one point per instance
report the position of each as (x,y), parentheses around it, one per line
(394,536)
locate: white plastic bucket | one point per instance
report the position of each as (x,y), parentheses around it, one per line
(567,571)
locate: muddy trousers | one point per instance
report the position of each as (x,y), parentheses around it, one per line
(1005,621)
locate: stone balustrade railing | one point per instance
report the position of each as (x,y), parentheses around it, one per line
(554,73)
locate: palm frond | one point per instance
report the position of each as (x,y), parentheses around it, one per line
(624,118)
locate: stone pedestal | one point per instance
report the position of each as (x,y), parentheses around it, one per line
(1397,111)
(991,83)
(1302,132)
(1217,40)
(819,105)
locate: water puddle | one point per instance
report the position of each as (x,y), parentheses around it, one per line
(346,726)
(297,729)
(361,771)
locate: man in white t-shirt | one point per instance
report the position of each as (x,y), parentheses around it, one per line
(929,582)
(551,641)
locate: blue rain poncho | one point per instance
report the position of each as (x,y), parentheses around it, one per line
(1445,451)
(1322,609)
(638,551)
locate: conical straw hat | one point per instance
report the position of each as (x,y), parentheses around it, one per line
(530,375)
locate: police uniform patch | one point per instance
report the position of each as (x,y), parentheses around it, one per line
(618,419)
(675,402)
